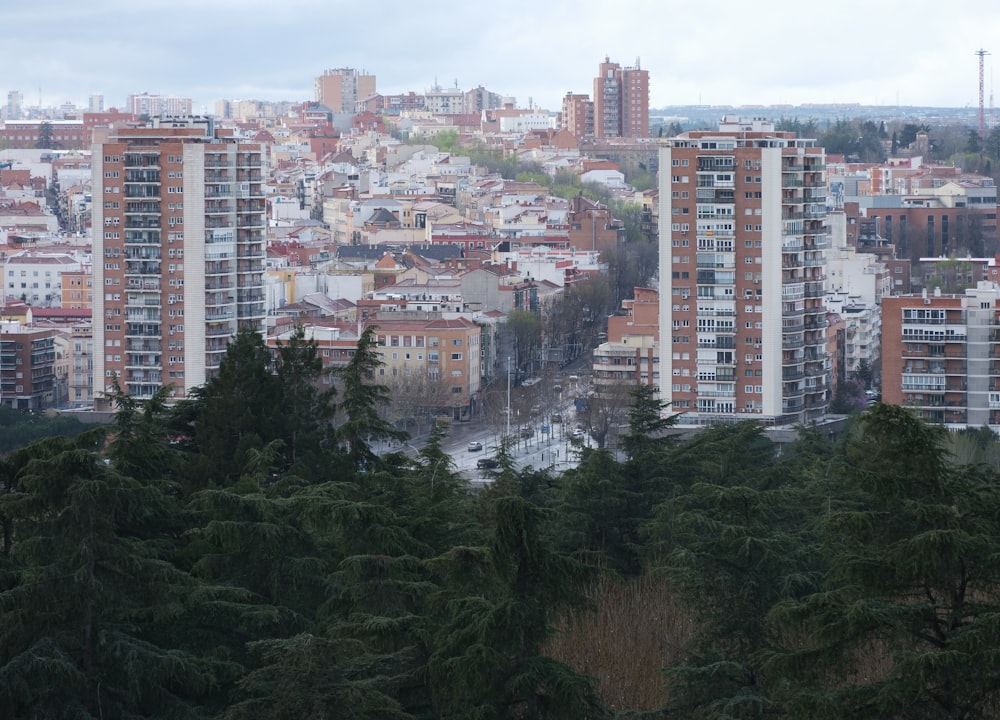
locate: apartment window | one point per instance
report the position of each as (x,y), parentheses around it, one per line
(456,356)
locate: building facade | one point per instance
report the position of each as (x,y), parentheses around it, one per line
(159,105)
(742,237)
(340,89)
(178,254)
(621,101)
(941,355)
(36,277)
(577,115)
(444,354)
(27,366)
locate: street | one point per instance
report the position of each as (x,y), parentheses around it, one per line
(542,424)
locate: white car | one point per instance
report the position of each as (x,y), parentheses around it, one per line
(475,446)
(579,434)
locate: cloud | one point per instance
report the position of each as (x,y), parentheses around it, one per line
(726,52)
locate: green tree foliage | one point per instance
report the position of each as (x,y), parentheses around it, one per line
(361,404)
(46,140)
(307,395)
(19,429)
(237,409)
(496,613)
(89,595)
(526,327)
(906,623)
(734,545)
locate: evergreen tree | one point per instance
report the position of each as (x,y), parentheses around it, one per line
(306,393)
(89,595)
(735,543)
(361,402)
(906,623)
(595,514)
(307,677)
(237,410)
(405,515)
(496,611)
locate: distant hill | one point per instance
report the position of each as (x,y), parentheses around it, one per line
(708,115)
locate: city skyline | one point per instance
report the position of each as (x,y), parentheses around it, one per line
(694,54)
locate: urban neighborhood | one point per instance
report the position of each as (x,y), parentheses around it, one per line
(443,404)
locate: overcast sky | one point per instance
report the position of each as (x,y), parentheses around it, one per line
(726,52)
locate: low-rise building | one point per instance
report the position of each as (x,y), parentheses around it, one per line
(941,355)
(27,366)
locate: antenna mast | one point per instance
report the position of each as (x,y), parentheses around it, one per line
(982,116)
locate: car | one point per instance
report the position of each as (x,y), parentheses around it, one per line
(556,418)
(487,463)
(578,434)
(475,446)
(527,432)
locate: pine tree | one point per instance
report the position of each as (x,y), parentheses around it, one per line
(89,594)
(361,402)
(907,620)
(735,543)
(237,410)
(307,406)
(496,611)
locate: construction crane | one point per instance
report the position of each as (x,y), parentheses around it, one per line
(982,115)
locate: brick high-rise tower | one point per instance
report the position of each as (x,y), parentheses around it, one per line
(179,231)
(742,239)
(621,101)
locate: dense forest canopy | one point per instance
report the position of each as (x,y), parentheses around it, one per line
(271,565)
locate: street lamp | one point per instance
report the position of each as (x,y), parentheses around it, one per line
(508,396)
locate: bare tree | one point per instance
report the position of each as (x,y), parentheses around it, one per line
(607,409)
(415,400)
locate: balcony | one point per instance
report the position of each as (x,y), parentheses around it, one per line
(218,330)
(148,175)
(142,268)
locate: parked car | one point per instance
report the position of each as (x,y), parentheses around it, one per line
(487,463)
(475,446)
(527,432)
(556,418)
(578,434)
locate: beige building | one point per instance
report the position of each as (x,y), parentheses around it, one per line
(444,352)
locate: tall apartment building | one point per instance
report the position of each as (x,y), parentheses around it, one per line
(941,355)
(577,115)
(742,234)
(159,105)
(27,365)
(179,235)
(621,101)
(340,89)
(15,105)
